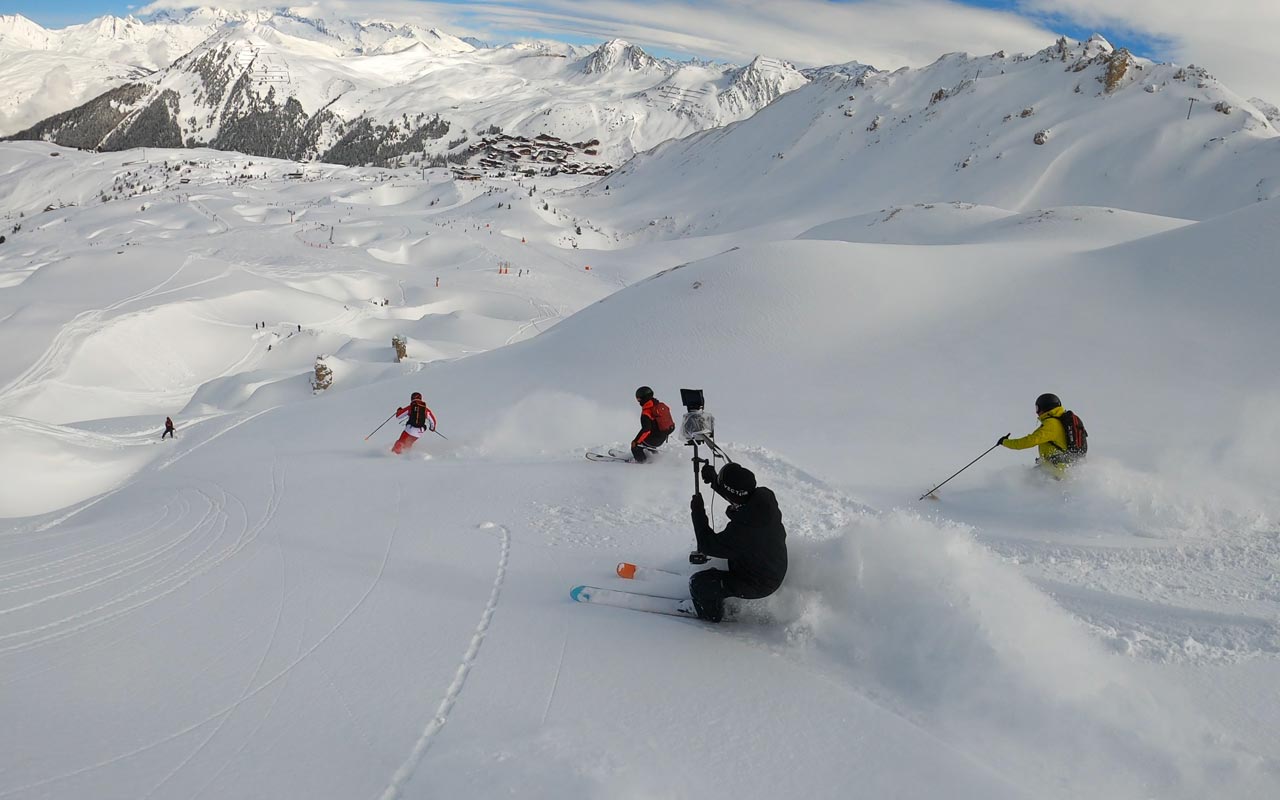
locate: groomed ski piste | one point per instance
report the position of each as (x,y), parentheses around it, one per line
(271,606)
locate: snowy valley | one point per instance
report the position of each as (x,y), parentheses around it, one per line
(871,274)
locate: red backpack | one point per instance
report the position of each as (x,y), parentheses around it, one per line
(662,415)
(1077,440)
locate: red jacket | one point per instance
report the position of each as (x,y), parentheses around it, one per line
(648,423)
(428,418)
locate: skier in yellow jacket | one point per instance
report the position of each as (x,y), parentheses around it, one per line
(1051,437)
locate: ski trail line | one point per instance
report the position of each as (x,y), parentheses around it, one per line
(274,679)
(402,775)
(555,682)
(44,526)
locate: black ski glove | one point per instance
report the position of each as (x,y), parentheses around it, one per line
(1002,438)
(697,506)
(708,474)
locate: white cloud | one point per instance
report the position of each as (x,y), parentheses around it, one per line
(1233,39)
(884,33)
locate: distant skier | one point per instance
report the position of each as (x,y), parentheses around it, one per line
(656,424)
(420,420)
(1061,437)
(168,428)
(754,541)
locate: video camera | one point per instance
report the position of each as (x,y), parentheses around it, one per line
(698,426)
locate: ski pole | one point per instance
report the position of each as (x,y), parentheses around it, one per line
(375,430)
(441,435)
(962,469)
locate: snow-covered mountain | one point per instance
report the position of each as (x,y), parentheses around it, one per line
(872,279)
(270,605)
(1079,123)
(285,85)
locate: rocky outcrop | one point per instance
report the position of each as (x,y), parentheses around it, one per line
(618,54)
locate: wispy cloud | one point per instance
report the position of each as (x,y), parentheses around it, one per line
(808,32)
(1233,38)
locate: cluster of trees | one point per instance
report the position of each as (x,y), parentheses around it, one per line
(366,143)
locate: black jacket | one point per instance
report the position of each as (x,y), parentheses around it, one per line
(650,435)
(754,541)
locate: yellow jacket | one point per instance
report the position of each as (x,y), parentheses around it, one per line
(1046,436)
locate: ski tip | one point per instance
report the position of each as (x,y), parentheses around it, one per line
(626,570)
(579,593)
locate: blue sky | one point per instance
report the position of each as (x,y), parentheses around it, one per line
(1146,46)
(69,12)
(1233,38)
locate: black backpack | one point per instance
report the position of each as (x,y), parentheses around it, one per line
(418,414)
(1077,440)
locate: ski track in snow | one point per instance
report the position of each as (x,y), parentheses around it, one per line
(555,680)
(249,693)
(69,335)
(202,562)
(249,682)
(402,775)
(52,525)
(1186,597)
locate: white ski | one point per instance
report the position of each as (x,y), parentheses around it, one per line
(636,572)
(676,607)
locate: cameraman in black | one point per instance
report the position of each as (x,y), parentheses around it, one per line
(754,542)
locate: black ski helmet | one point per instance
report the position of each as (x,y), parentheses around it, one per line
(735,483)
(416,396)
(644,394)
(1047,402)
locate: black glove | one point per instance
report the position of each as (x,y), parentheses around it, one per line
(708,474)
(1002,438)
(697,506)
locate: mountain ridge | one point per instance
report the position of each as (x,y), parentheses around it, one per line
(307,99)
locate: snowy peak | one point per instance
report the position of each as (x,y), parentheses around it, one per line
(848,71)
(1266,109)
(618,54)
(764,80)
(1071,125)
(19,33)
(1097,43)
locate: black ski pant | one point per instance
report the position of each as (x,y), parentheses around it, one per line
(168,432)
(642,451)
(710,587)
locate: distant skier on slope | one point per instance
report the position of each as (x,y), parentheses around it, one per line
(754,542)
(420,420)
(168,428)
(656,424)
(1061,437)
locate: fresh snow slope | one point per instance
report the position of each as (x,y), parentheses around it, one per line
(44,72)
(960,130)
(195,267)
(272,606)
(38,83)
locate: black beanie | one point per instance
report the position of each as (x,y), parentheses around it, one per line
(736,482)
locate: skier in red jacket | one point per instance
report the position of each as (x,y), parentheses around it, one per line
(656,424)
(419,422)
